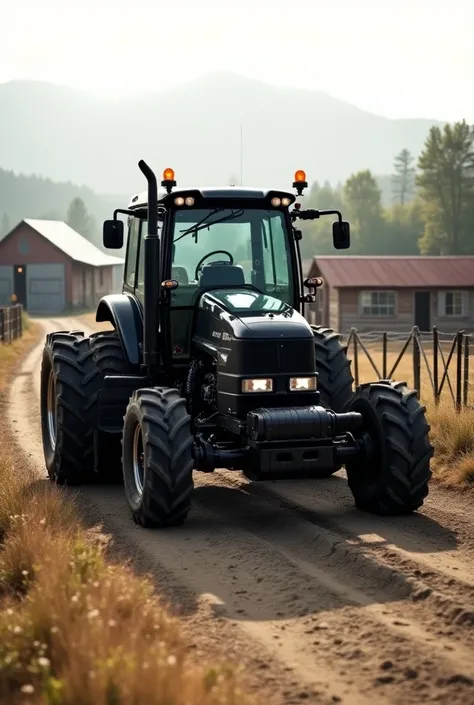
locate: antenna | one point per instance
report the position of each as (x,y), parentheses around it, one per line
(241,154)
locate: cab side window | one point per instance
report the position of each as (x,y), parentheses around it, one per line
(132,251)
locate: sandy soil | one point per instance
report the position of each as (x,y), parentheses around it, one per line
(315,600)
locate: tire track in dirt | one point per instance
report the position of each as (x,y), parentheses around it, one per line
(320,602)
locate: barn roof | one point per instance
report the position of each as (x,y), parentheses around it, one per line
(74,245)
(362,271)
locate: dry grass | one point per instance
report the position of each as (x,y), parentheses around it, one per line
(452,435)
(9,354)
(75,628)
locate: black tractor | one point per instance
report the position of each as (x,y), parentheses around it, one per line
(212,364)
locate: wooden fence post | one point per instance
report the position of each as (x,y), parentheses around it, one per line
(416,360)
(466,371)
(356,357)
(435,365)
(459,346)
(384,354)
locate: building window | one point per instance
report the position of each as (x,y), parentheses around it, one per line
(377,303)
(452,303)
(23,245)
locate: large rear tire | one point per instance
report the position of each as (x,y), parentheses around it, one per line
(109,359)
(335,380)
(156,457)
(395,477)
(66,423)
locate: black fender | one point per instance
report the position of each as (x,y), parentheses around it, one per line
(124,313)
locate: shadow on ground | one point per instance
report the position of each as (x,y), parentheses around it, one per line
(261,555)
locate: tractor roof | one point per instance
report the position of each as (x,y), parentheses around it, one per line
(140,200)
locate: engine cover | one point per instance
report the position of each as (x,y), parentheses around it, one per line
(255,335)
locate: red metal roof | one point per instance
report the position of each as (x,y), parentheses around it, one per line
(398,272)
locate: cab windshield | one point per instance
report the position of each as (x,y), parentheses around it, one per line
(256,240)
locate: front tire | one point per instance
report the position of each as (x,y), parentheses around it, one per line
(65,424)
(156,457)
(394,479)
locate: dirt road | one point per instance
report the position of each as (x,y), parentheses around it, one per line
(318,602)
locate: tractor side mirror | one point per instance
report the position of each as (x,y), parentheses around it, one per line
(341,235)
(112,234)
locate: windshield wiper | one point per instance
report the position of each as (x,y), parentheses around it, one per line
(203,223)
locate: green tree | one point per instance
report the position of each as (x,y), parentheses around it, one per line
(5,225)
(446,178)
(80,220)
(403,180)
(362,198)
(404,228)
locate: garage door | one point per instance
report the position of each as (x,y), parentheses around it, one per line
(6,285)
(45,288)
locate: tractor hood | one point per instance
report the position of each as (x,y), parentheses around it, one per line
(254,335)
(244,313)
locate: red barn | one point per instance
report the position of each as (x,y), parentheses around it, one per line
(53,269)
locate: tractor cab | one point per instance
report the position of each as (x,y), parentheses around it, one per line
(238,239)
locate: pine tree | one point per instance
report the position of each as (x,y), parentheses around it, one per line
(403,180)
(446,178)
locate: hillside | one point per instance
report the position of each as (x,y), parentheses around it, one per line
(68,135)
(34,197)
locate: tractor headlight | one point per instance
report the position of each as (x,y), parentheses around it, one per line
(257,385)
(303,384)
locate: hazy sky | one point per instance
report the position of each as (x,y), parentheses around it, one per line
(399,58)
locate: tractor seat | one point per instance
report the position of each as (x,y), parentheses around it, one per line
(221,274)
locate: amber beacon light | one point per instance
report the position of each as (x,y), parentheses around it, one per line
(168,180)
(300,182)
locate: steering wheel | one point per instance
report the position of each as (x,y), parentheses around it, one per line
(209,254)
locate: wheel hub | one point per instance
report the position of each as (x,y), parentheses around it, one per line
(138,460)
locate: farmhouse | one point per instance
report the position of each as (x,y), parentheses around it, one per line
(52,268)
(393,293)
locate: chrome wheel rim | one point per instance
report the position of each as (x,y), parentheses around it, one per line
(138,460)
(51,404)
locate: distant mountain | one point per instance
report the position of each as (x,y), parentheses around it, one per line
(35,197)
(69,135)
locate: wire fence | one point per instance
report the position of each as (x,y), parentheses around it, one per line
(434,363)
(11,323)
